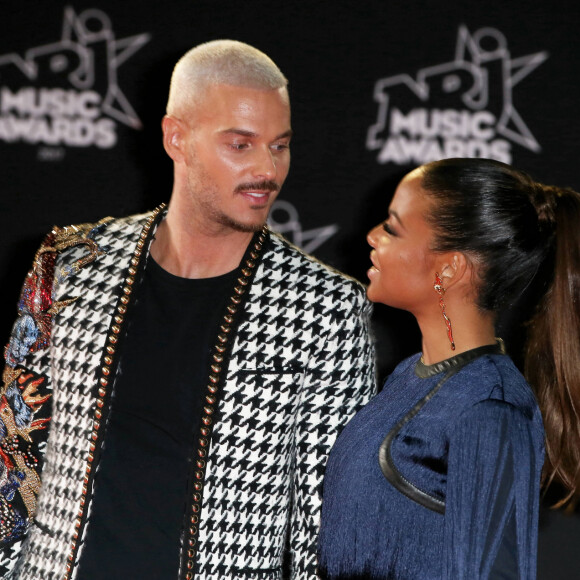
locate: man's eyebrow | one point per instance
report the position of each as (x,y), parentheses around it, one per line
(242,132)
(246,133)
(286,134)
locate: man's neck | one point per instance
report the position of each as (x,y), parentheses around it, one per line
(193,254)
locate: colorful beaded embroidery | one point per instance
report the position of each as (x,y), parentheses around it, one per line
(23,395)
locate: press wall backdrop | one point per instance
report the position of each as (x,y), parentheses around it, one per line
(377,87)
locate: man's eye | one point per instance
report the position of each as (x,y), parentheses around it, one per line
(239,146)
(281,146)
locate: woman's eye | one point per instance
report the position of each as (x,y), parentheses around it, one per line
(388,229)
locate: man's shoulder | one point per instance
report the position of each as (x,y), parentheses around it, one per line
(115,225)
(107,232)
(104,244)
(289,257)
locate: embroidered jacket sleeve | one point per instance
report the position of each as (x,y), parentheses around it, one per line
(26,392)
(493,484)
(25,405)
(341,379)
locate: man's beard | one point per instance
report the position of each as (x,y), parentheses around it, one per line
(219,217)
(231,223)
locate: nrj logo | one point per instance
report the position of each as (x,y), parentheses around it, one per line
(67,93)
(460,108)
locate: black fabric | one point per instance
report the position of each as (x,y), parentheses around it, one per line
(141,484)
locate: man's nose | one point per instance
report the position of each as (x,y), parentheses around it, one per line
(265,164)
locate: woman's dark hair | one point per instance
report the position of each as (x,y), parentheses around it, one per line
(520,232)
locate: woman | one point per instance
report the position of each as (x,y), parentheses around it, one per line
(439,476)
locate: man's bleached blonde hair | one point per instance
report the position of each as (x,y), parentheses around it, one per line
(227,62)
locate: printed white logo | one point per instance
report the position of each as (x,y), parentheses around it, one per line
(467,108)
(67,93)
(284,219)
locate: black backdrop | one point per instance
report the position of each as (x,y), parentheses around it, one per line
(377,87)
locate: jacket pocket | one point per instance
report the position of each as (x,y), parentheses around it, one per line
(257,574)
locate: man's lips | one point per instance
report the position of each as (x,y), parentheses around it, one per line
(259,190)
(256,194)
(256,197)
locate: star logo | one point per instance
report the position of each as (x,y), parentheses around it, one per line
(86,58)
(470,104)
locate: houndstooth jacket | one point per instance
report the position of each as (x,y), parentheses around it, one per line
(292,363)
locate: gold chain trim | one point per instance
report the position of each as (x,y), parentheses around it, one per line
(105,376)
(214,383)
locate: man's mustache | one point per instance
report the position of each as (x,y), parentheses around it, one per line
(268,185)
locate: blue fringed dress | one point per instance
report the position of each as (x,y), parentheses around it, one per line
(438,476)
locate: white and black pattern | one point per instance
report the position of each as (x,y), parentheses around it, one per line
(300,366)
(76,348)
(8,562)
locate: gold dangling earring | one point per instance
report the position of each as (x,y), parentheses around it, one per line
(438,286)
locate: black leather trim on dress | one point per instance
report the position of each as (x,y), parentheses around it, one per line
(423,371)
(452,366)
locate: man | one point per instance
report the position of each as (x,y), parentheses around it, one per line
(182,375)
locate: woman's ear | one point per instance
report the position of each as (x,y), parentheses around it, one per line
(455,268)
(173,133)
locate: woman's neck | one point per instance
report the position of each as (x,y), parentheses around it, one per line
(470,327)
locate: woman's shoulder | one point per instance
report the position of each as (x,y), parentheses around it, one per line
(495,378)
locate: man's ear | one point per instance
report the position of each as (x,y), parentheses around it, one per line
(173,137)
(454,269)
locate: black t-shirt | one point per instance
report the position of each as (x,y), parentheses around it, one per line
(142,479)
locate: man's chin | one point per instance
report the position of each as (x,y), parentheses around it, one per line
(246,227)
(251,227)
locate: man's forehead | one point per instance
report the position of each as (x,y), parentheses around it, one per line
(222,101)
(223,90)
